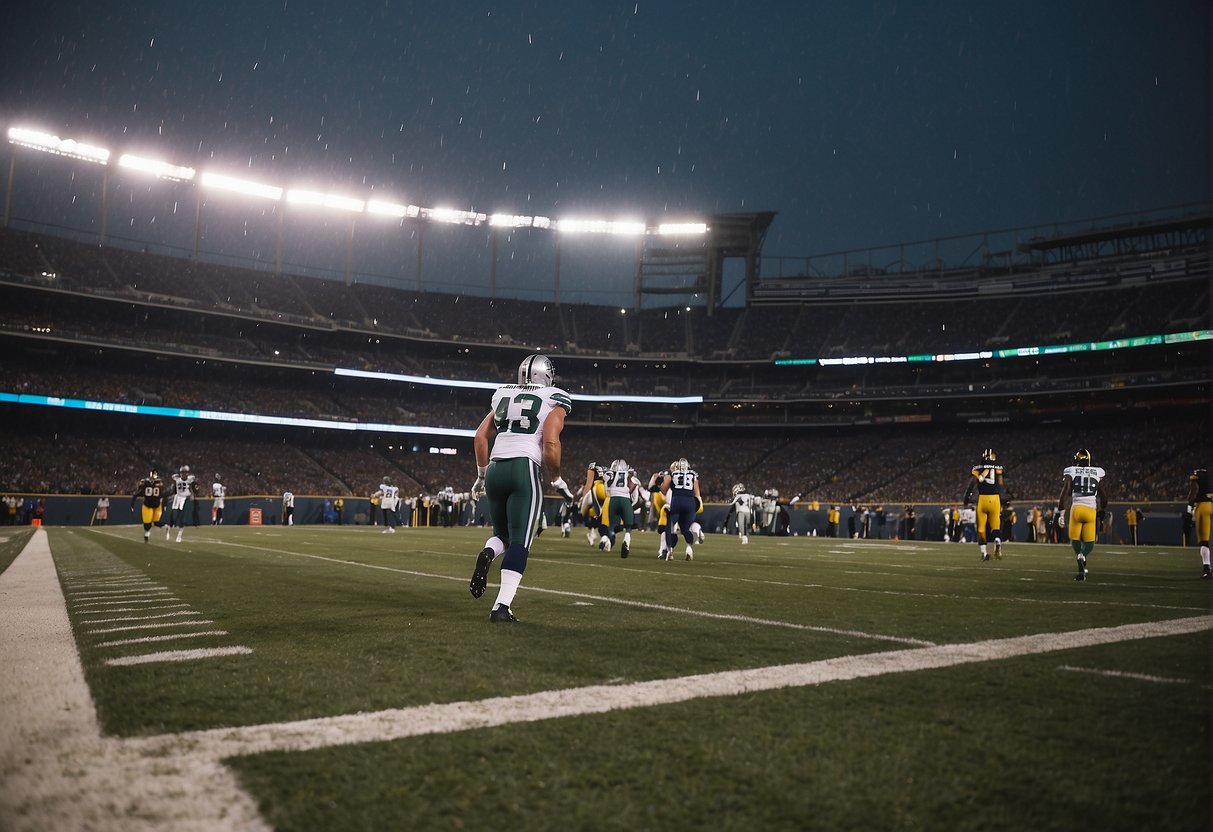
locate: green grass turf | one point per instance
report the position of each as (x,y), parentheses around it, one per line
(348,620)
(12,541)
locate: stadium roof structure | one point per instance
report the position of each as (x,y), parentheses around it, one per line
(1173,233)
(697,265)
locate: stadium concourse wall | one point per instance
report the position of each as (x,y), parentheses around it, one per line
(1162,524)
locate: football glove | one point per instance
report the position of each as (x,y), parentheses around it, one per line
(1060,518)
(478,485)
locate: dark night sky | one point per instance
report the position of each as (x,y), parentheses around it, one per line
(860,123)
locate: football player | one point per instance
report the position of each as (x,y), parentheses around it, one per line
(516,440)
(219,493)
(1083,496)
(183,491)
(593,501)
(388,497)
(618,514)
(743,507)
(151,491)
(1200,500)
(661,511)
(681,489)
(288,508)
(987,482)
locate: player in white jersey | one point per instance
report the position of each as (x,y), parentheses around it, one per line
(388,496)
(288,508)
(519,437)
(183,490)
(743,507)
(681,490)
(219,493)
(1082,495)
(617,512)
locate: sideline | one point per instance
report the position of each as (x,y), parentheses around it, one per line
(56,770)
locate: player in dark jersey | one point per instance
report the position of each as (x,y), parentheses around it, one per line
(1200,500)
(987,482)
(681,490)
(151,490)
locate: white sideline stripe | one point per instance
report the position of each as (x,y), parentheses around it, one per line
(56,770)
(1121,674)
(169,637)
(399,723)
(177,614)
(179,655)
(158,626)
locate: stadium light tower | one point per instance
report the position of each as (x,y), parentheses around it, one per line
(52,144)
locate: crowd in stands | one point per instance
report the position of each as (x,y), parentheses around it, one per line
(926,464)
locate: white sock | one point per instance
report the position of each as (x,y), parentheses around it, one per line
(1204,555)
(627,539)
(497,545)
(509,586)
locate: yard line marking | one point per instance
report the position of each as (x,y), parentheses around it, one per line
(1120,674)
(177,614)
(133,609)
(159,626)
(152,639)
(130,600)
(400,723)
(179,656)
(108,593)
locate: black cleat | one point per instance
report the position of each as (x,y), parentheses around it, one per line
(480,575)
(623,550)
(1207,573)
(501,614)
(1082,570)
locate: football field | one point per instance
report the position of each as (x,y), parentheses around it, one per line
(338,678)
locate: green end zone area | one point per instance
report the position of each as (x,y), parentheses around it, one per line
(342,621)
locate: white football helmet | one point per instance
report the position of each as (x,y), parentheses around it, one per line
(537,370)
(738,488)
(619,466)
(681,466)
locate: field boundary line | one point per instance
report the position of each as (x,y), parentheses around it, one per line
(401,723)
(56,770)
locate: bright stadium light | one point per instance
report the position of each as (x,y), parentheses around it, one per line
(682,228)
(342,203)
(240,186)
(48,143)
(510,221)
(386,209)
(622,227)
(155,167)
(453,216)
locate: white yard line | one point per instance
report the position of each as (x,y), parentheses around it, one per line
(1120,674)
(122,642)
(179,656)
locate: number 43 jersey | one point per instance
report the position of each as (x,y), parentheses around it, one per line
(1084,483)
(519,413)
